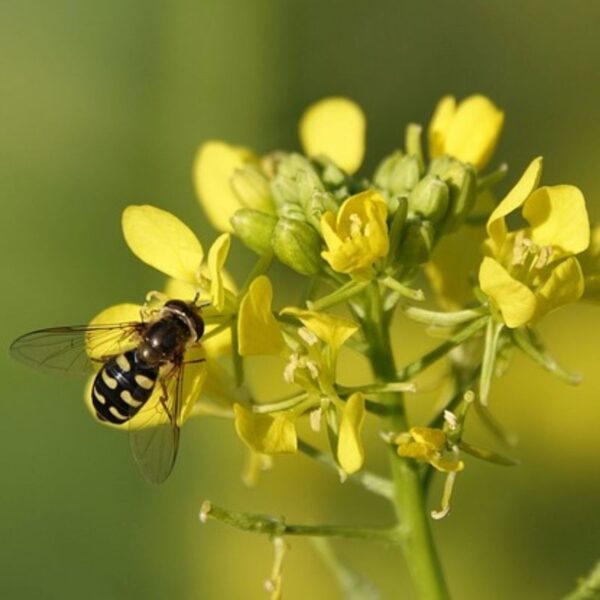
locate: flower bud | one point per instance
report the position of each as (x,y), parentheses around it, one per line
(398,173)
(294,184)
(417,244)
(254,228)
(297,245)
(429,198)
(252,188)
(462,185)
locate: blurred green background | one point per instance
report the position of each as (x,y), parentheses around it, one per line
(103,105)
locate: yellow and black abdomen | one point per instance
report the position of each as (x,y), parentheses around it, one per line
(122,387)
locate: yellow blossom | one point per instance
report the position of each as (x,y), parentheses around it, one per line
(266,434)
(258,330)
(331,329)
(162,241)
(428,445)
(468,131)
(335,127)
(350,451)
(533,270)
(358,235)
(215,164)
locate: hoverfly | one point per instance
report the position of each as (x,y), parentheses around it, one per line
(134,359)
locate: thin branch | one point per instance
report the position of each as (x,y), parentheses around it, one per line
(277,527)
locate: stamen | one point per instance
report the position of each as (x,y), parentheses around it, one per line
(543,257)
(315,420)
(308,336)
(445,507)
(290,368)
(451,420)
(355,225)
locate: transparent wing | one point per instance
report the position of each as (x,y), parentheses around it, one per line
(154,443)
(77,349)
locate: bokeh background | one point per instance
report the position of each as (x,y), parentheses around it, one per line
(103,105)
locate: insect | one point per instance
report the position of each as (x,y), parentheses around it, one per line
(135,359)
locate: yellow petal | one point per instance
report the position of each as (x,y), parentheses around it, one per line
(214,167)
(565,285)
(447,465)
(515,300)
(428,436)
(266,434)
(350,451)
(333,330)
(258,330)
(335,127)
(474,131)
(414,450)
(558,218)
(217,255)
(496,227)
(162,241)
(120,313)
(440,125)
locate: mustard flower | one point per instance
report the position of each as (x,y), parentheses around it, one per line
(533,270)
(428,445)
(357,236)
(468,131)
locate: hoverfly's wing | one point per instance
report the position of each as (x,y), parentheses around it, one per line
(155,442)
(76,350)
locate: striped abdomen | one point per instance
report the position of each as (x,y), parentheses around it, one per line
(121,387)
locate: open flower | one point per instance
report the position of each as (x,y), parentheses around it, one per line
(357,236)
(427,445)
(533,270)
(468,131)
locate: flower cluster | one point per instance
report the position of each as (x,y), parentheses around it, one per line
(364,243)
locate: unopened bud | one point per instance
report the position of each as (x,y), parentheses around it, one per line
(398,174)
(254,228)
(462,186)
(251,186)
(297,245)
(429,199)
(417,243)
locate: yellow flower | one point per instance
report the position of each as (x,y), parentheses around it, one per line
(215,164)
(162,241)
(468,131)
(258,330)
(335,127)
(350,451)
(266,434)
(357,236)
(152,413)
(533,270)
(427,445)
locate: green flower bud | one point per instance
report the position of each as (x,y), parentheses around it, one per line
(462,185)
(252,188)
(254,228)
(417,243)
(400,173)
(331,175)
(297,245)
(295,182)
(430,198)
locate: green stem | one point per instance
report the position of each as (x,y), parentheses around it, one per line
(409,500)
(277,527)
(588,588)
